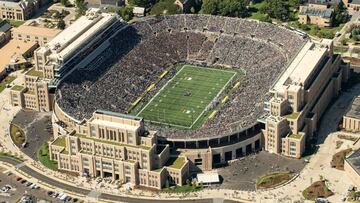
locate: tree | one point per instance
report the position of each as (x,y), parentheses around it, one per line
(210,7)
(80,7)
(126,13)
(278,9)
(64,3)
(142,3)
(294,3)
(344,41)
(233,8)
(340,14)
(61,24)
(165,7)
(265,18)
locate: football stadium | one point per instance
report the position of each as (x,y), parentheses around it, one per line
(164,97)
(191,77)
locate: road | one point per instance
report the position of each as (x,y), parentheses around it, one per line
(82,191)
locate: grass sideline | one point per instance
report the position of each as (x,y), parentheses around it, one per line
(43,156)
(6,81)
(273,180)
(183,100)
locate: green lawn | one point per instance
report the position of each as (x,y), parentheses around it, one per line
(6,81)
(15,23)
(183,100)
(321,32)
(44,158)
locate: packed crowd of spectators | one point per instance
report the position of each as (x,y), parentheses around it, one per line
(139,54)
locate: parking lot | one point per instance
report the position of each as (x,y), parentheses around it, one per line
(242,174)
(18,189)
(37,127)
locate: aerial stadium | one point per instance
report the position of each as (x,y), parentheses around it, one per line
(163,97)
(188,76)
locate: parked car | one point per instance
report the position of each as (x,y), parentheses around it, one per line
(50,193)
(55,195)
(28,184)
(18,179)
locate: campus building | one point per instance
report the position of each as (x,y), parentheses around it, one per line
(59,54)
(14,54)
(41,35)
(316,14)
(4,32)
(116,146)
(351,120)
(19,9)
(352,4)
(300,97)
(352,166)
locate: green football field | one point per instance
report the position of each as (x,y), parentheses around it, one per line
(184,98)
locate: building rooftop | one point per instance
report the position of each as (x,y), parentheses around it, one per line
(354,161)
(295,136)
(12,52)
(33,30)
(292,115)
(207,178)
(112,142)
(4,26)
(175,162)
(65,43)
(17,88)
(114,124)
(35,73)
(312,11)
(355,2)
(302,66)
(120,115)
(354,111)
(60,141)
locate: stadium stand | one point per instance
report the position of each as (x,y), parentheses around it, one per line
(140,53)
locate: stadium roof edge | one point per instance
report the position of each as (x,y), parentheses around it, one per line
(111,113)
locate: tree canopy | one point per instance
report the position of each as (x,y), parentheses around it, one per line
(278,9)
(126,13)
(233,8)
(340,14)
(142,3)
(80,7)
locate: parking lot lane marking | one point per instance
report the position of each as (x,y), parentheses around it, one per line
(20,165)
(94,194)
(218,200)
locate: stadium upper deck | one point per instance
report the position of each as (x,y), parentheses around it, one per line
(140,53)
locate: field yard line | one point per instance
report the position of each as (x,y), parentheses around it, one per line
(159,92)
(223,88)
